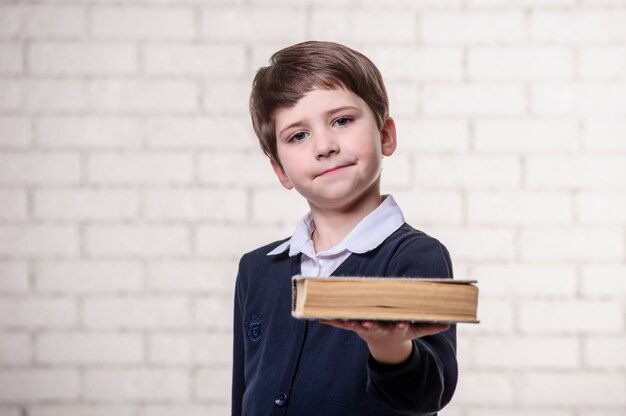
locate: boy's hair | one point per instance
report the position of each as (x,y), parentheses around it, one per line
(300,68)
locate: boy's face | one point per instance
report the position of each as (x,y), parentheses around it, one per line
(331,149)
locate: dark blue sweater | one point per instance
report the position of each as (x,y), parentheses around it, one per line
(286,366)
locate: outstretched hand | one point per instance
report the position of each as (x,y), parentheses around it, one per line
(388,342)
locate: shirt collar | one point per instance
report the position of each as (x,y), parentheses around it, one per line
(368,234)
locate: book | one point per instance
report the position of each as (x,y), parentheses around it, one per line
(385,299)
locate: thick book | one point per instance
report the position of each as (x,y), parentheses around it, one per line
(385,299)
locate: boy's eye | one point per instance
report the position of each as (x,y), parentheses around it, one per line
(299,136)
(342,121)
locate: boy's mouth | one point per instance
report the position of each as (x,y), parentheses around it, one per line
(334,169)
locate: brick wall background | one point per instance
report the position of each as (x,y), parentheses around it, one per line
(131,182)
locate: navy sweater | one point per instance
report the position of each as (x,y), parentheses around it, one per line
(286,366)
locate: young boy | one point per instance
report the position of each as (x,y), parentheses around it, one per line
(320,111)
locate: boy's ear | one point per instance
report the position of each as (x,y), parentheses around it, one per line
(388,137)
(281,175)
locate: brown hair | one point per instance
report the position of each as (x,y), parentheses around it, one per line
(300,68)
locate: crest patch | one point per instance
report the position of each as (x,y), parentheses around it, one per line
(254,324)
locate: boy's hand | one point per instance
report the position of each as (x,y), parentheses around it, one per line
(388,342)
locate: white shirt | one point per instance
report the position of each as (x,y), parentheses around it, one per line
(368,234)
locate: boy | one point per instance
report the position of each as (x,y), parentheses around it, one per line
(320,111)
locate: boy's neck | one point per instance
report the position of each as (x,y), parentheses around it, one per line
(332,226)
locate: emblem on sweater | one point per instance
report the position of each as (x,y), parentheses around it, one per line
(254,327)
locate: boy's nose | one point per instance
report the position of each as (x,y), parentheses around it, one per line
(325,145)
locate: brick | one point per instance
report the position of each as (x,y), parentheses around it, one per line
(226,96)
(195,59)
(192,276)
(214,349)
(200,132)
(252,169)
(10,411)
(519,281)
(277,206)
(520,208)
(403,98)
(572,244)
(145,312)
(474,100)
(30,385)
(140,168)
(88,348)
(137,240)
(73,58)
(15,349)
(496,317)
(606,280)
(496,243)
(196,204)
(605,352)
(519,3)
(571,317)
(39,168)
(578,26)
(52,21)
(467,171)
(10,58)
(188,410)
(447,135)
(39,240)
(579,99)
(421,64)
(515,411)
(14,277)
(87,204)
(378,26)
(147,95)
(479,27)
(601,207)
(88,277)
(212,384)
(136,384)
(523,135)
(527,63)
(431,207)
(602,62)
(11,94)
(407,4)
(170,349)
(258,24)
(47,95)
(231,241)
(16,132)
(143,23)
(604,134)
(80,410)
(88,132)
(615,411)
(589,171)
(397,171)
(485,388)
(526,352)
(572,389)
(13,205)
(10,21)
(37,312)
(214,312)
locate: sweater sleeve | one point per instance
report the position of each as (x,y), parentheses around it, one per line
(426,381)
(238,379)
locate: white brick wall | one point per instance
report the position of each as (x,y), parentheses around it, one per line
(131,182)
